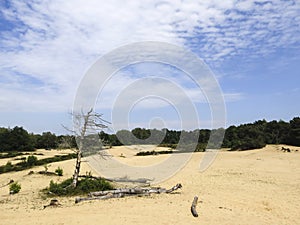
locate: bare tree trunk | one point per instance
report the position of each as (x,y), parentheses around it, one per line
(79,153)
(77,170)
(85,123)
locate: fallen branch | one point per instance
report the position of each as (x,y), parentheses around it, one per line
(193,207)
(122,192)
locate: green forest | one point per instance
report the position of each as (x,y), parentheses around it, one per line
(242,137)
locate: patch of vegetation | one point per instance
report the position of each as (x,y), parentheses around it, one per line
(10,155)
(7,167)
(59,171)
(32,161)
(84,186)
(153,153)
(14,188)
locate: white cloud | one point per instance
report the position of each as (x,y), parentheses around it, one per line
(54,42)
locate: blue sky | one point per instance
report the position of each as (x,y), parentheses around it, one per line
(46,47)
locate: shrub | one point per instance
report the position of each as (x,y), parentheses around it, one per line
(14,188)
(8,167)
(84,186)
(32,160)
(59,171)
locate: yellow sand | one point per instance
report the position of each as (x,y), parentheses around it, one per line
(250,187)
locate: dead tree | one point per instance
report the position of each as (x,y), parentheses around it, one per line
(84,124)
(122,192)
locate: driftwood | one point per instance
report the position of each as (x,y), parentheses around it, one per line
(122,192)
(53,203)
(193,207)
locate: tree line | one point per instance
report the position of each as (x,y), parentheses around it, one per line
(242,137)
(19,139)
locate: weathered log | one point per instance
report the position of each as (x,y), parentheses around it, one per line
(117,191)
(193,207)
(137,190)
(122,192)
(109,195)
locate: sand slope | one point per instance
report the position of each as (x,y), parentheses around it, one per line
(250,187)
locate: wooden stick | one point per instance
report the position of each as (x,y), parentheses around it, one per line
(193,207)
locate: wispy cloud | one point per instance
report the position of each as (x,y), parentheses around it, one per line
(48,45)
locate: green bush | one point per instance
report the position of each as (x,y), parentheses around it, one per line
(14,188)
(32,160)
(59,171)
(84,186)
(8,167)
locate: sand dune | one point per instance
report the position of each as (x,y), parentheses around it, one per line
(250,187)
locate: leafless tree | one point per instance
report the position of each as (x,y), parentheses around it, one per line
(84,124)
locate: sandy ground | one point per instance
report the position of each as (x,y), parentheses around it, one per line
(250,187)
